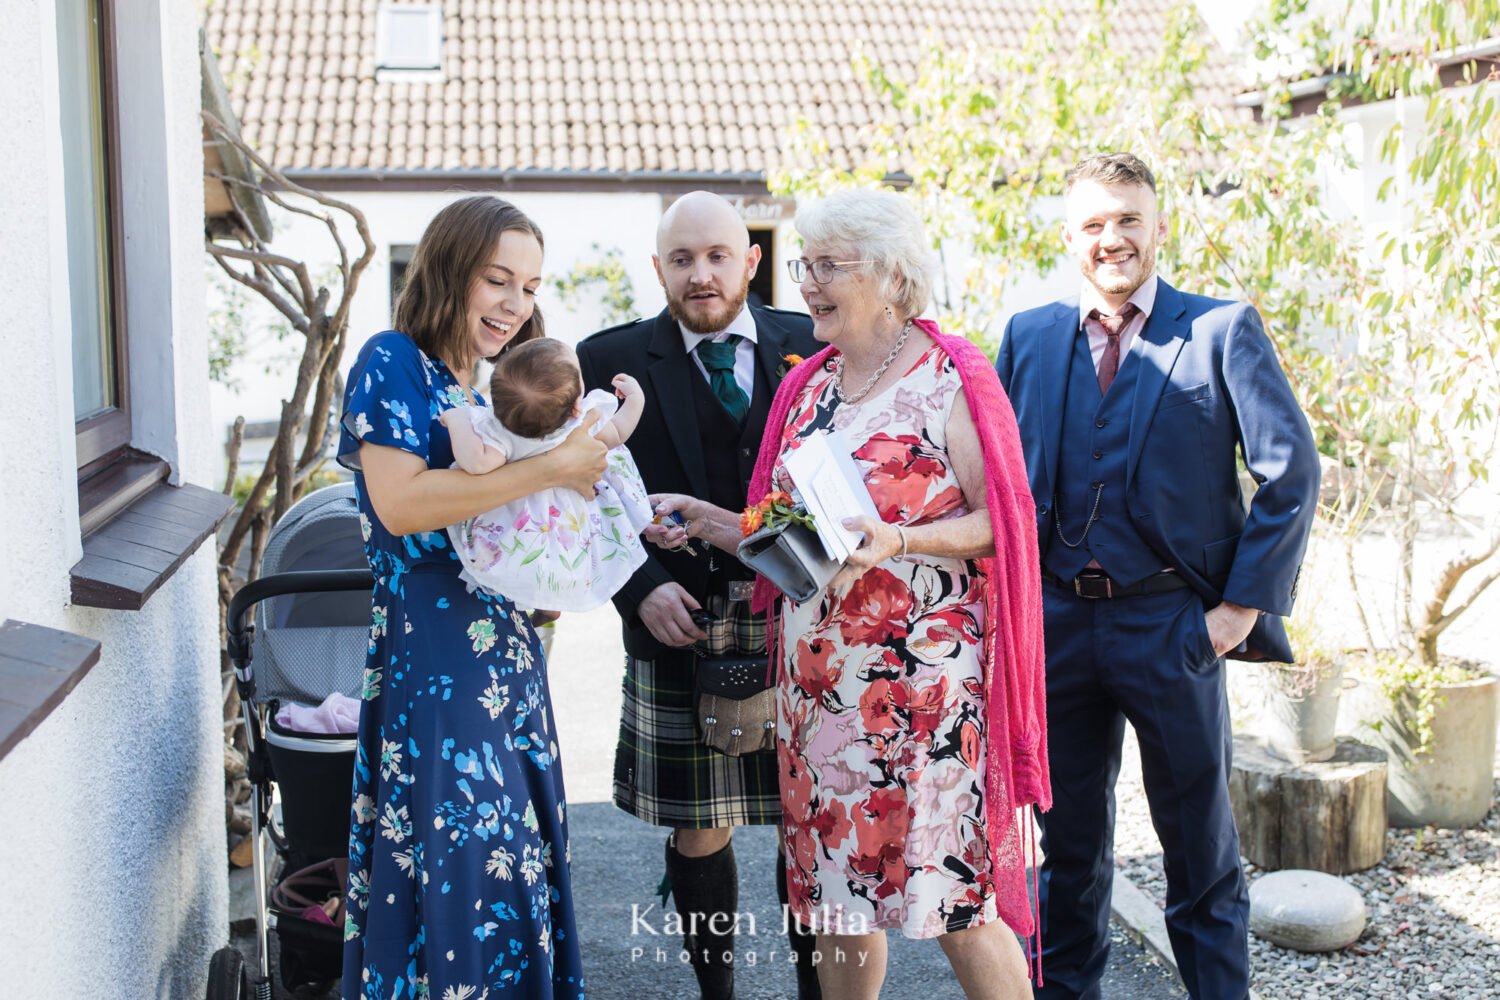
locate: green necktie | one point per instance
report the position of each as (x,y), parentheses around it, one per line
(718,358)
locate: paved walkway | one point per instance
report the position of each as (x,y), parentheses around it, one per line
(617,860)
(617,863)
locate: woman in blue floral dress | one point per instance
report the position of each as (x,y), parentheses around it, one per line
(458,854)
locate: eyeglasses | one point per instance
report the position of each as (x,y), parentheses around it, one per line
(822,270)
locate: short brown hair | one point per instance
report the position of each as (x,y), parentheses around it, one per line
(433,308)
(535,387)
(1109,168)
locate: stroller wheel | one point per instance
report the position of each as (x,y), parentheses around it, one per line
(228,978)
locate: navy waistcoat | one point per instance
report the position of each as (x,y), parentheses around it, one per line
(1093,451)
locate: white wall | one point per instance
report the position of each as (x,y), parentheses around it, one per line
(37,446)
(111,813)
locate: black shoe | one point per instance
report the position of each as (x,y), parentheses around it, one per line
(703,888)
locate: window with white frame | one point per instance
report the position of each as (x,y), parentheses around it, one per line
(409,41)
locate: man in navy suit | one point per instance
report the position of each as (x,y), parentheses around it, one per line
(1133,402)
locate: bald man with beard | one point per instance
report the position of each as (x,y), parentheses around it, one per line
(699,435)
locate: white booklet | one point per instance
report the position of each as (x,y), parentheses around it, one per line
(831,486)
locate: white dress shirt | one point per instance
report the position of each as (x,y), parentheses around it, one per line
(1089,300)
(742,325)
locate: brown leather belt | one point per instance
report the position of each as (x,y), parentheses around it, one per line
(1096,585)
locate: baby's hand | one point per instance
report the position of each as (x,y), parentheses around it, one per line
(625,386)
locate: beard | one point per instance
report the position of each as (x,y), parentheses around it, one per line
(712,315)
(1116,283)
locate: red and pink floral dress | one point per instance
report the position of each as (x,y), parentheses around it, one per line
(880,721)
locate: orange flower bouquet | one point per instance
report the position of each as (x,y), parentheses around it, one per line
(775,508)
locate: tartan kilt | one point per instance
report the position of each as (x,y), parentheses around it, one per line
(664,774)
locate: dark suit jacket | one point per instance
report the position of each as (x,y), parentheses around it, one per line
(1210,383)
(666,444)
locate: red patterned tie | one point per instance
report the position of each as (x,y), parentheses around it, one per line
(1109,364)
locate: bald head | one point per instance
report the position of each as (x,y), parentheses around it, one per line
(700,216)
(704,260)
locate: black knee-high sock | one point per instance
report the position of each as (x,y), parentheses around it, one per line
(803,940)
(707,891)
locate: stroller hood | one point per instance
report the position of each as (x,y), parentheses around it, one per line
(308,645)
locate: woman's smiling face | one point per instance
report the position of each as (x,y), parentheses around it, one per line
(503,296)
(849,302)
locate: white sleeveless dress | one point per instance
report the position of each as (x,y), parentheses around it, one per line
(554,549)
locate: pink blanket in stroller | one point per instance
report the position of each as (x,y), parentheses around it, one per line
(339,713)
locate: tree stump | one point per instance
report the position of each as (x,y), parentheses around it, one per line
(1328,816)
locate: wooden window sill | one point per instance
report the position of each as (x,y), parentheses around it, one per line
(114,483)
(130,556)
(38,667)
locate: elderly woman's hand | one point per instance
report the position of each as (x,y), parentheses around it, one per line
(700,520)
(668,532)
(881,541)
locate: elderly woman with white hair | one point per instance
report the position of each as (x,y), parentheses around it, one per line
(911,725)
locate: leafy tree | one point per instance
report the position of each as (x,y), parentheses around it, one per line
(239,331)
(316,307)
(1385,320)
(605,276)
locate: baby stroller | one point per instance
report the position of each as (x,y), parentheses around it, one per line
(309,638)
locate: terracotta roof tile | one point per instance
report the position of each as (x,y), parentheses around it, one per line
(598,85)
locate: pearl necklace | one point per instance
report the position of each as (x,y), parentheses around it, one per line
(864,390)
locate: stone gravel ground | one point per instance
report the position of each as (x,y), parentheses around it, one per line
(1433,903)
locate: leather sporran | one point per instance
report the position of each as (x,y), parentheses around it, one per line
(736,705)
(734,699)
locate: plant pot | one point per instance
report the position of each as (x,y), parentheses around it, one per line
(1300,713)
(1449,784)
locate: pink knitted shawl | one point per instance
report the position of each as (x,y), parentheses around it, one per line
(1016,775)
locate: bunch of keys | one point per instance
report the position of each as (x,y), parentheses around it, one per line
(675,517)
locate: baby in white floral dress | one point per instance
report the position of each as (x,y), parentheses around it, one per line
(552,549)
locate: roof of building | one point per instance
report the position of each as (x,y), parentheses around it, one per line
(615,87)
